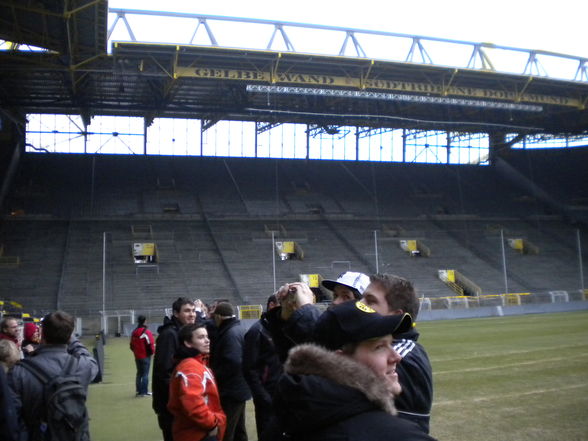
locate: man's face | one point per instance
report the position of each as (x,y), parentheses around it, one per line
(11,328)
(380,357)
(375,297)
(342,294)
(186,315)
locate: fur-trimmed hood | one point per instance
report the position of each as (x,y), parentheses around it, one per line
(321,391)
(310,359)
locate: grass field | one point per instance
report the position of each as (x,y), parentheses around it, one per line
(503,378)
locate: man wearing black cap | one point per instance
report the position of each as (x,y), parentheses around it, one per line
(341,387)
(226,361)
(393,295)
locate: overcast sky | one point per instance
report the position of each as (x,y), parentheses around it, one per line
(528,24)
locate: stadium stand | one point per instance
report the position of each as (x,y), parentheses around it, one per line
(217,243)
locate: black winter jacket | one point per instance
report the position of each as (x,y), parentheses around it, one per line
(261,365)
(9,430)
(416,377)
(299,328)
(226,361)
(324,396)
(166,345)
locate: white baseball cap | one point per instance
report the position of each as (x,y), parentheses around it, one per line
(350,279)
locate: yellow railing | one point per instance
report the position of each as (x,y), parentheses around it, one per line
(250,311)
(9,261)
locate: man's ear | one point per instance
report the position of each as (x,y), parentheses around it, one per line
(396,311)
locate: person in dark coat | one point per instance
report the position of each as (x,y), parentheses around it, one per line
(389,295)
(261,366)
(57,347)
(226,361)
(293,322)
(166,345)
(341,388)
(9,429)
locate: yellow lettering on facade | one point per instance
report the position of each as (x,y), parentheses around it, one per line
(375,84)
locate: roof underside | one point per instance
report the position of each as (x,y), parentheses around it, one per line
(211,83)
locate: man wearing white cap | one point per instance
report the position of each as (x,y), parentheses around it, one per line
(348,286)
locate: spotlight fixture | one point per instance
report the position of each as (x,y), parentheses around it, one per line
(342,93)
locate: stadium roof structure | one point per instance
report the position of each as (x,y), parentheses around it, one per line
(76,75)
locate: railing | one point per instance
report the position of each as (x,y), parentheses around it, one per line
(341,41)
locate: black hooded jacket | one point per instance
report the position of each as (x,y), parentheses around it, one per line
(261,365)
(226,361)
(166,345)
(324,396)
(299,328)
(416,377)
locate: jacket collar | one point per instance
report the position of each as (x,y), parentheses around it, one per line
(44,348)
(228,323)
(310,359)
(411,334)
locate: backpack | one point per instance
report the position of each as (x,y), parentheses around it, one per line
(64,413)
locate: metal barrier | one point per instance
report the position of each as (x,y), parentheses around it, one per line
(421,49)
(250,311)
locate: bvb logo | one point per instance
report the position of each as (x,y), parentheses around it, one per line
(363,307)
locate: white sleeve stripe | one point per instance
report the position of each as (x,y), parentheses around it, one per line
(403,347)
(184,378)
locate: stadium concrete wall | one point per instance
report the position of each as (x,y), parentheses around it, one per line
(498,311)
(443,314)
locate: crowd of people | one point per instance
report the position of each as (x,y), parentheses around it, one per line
(353,372)
(44,380)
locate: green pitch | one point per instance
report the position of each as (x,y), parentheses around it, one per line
(510,378)
(504,378)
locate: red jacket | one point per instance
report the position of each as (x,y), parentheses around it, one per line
(141,340)
(194,401)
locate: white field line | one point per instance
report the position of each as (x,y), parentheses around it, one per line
(510,395)
(482,354)
(515,364)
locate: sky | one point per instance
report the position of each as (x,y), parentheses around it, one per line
(524,24)
(527,24)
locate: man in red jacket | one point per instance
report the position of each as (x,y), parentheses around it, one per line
(9,330)
(143,346)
